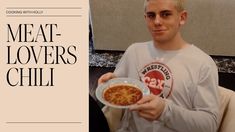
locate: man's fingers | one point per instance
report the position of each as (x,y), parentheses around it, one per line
(146,99)
(104,78)
(143,104)
(147,103)
(137,107)
(146,115)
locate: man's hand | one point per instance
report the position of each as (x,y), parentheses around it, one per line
(149,107)
(105,77)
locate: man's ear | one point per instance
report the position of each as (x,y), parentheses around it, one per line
(183,17)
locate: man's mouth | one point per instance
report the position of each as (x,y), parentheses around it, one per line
(158,31)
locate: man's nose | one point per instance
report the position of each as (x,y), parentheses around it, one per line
(158,20)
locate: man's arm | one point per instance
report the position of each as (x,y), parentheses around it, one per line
(203,117)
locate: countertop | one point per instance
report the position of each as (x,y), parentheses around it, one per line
(226,64)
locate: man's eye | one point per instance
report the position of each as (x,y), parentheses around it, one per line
(151,16)
(165,14)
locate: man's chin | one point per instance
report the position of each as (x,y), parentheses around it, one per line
(159,39)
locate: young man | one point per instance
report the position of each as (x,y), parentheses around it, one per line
(183,80)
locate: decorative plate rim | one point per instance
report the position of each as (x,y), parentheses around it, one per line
(115,81)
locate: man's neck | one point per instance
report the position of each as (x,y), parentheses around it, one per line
(175,44)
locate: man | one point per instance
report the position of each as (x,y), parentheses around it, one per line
(183,80)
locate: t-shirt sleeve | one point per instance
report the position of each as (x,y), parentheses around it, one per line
(122,68)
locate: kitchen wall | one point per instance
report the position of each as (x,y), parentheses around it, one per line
(210,26)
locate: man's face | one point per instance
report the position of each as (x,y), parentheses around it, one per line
(163,20)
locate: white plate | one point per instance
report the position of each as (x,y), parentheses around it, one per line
(101,88)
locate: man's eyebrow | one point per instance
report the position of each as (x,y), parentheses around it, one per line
(163,11)
(150,12)
(166,11)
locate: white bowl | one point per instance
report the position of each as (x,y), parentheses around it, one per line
(120,81)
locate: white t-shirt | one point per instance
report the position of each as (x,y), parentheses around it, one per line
(186,78)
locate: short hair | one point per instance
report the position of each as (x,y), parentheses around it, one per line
(179,4)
